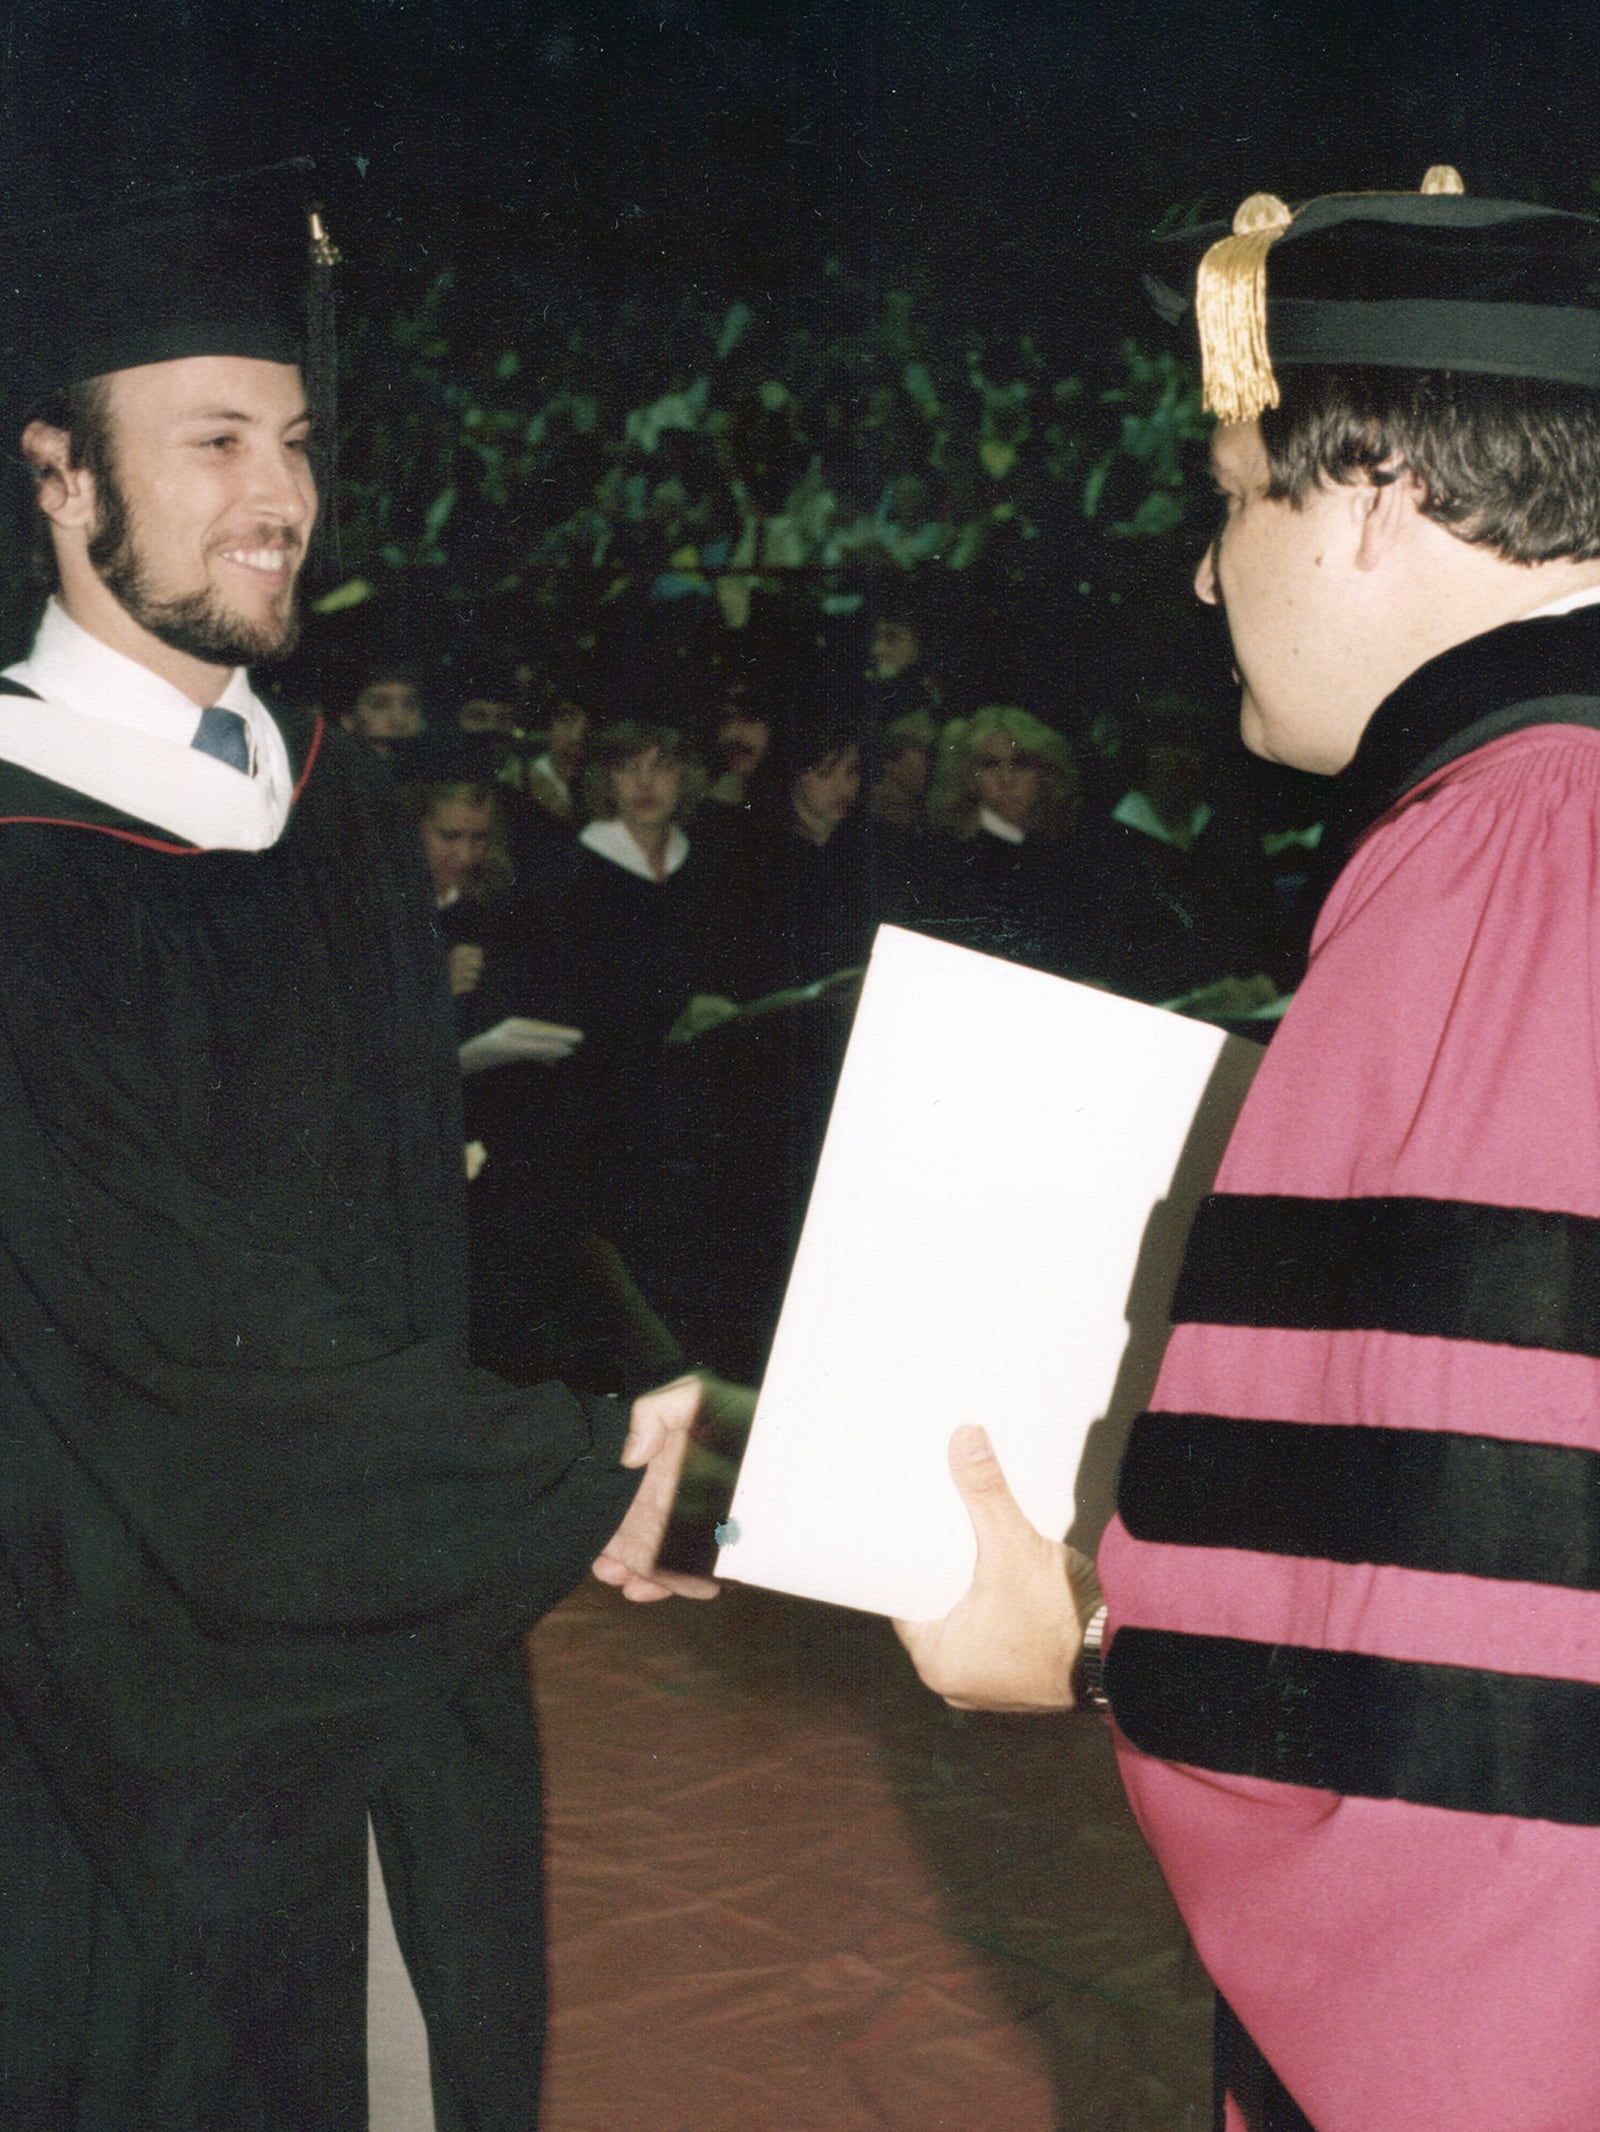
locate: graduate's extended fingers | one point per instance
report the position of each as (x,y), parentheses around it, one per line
(658,1584)
(656,1414)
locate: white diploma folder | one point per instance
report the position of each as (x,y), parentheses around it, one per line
(1011,1166)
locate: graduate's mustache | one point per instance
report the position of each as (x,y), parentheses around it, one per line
(289,538)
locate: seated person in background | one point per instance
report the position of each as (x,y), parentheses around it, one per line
(538,794)
(743,736)
(899,791)
(825,790)
(639,784)
(1004,872)
(1187,901)
(385,707)
(551,780)
(819,879)
(464,845)
(489,714)
(525,1216)
(900,675)
(489,691)
(810,884)
(637,937)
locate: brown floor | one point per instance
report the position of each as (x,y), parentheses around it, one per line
(791,1892)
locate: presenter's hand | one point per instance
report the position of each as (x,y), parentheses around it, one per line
(658,1440)
(1012,1641)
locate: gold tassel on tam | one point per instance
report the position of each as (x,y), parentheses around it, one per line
(1441,177)
(1230,303)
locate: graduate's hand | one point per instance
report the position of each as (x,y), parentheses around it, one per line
(1012,1641)
(658,1440)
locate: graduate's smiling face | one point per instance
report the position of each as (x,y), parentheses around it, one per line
(201,529)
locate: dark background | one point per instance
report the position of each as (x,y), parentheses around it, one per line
(629,147)
(610,175)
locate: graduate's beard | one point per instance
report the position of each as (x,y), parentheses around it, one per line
(196,623)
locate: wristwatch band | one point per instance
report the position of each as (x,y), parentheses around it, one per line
(1089,1681)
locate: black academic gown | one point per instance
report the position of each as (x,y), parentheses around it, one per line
(635,951)
(1034,902)
(268,1542)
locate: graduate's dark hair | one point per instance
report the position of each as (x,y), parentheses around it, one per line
(1511,464)
(83,411)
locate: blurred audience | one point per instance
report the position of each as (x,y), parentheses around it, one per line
(574,882)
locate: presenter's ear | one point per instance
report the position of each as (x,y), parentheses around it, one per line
(1386,506)
(66,492)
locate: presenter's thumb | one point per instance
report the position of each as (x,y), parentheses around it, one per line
(977,1475)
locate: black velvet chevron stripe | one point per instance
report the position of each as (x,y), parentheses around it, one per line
(1471,1506)
(1447,1267)
(1375,1728)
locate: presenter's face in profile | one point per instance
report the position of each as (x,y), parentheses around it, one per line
(1290,579)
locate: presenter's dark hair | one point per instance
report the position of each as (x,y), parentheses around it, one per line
(1511,464)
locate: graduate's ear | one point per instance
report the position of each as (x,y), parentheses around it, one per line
(66,492)
(1388,500)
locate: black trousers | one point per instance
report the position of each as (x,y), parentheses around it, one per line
(1240,2070)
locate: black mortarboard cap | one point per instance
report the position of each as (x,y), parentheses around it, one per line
(227,267)
(1430,280)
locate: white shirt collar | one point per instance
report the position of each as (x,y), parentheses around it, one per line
(117,732)
(609,840)
(1567,604)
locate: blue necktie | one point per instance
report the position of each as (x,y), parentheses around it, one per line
(223,734)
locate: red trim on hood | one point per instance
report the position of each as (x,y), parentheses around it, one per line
(312,752)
